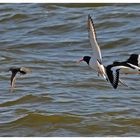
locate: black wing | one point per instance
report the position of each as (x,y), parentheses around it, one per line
(116,79)
(13,79)
(113,76)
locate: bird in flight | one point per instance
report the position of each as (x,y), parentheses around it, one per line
(94,61)
(130,66)
(15,70)
(112,71)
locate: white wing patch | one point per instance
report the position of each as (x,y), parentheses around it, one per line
(119,67)
(134,66)
(93,40)
(139,60)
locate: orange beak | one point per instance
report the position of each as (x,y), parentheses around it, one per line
(80,61)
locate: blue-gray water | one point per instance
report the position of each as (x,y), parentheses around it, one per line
(59,97)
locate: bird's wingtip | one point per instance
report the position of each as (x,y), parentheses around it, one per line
(90,22)
(115,87)
(89,16)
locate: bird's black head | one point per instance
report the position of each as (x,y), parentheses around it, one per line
(86,59)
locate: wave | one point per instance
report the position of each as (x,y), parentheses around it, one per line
(26,99)
(14,17)
(40,119)
(96,124)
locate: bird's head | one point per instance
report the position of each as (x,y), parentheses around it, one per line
(24,70)
(86,59)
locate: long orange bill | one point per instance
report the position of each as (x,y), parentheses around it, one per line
(79,61)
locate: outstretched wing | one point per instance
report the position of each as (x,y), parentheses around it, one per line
(113,75)
(115,79)
(13,79)
(93,40)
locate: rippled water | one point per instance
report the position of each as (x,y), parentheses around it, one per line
(59,97)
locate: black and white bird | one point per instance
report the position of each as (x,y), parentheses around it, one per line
(130,66)
(110,72)
(15,70)
(95,62)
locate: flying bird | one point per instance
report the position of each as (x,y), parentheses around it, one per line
(131,65)
(15,70)
(112,71)
(94,61)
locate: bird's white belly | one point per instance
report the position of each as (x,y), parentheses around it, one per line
(98,68)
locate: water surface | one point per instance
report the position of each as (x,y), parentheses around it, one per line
(59,97)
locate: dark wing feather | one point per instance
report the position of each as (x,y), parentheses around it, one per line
(113,77)
(116,79)
(109,74)
(13,78)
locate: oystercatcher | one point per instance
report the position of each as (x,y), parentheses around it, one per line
(15,70)
(131,65)
(94,62)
